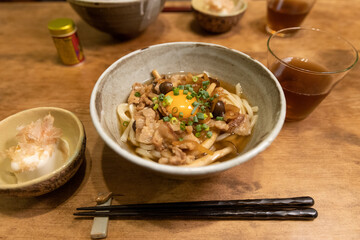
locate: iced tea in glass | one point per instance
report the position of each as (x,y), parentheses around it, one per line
(286,13)
(308,63)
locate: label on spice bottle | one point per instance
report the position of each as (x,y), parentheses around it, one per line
(63,31)
(69,49)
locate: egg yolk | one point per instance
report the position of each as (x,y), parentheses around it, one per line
(181,104)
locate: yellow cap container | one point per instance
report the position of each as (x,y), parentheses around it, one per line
(64,33)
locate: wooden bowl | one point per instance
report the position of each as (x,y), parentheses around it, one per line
(218,22)
(73,133)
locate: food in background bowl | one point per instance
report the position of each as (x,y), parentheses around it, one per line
(230,66)
(219,6)
(118,17)
(186,119)
(218,16)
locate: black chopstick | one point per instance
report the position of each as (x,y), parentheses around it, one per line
(247,203)
(231,214)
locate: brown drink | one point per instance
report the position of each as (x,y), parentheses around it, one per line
(303,90)
(308,63)
(286,13)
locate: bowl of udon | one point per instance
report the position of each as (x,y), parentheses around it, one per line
(187,109)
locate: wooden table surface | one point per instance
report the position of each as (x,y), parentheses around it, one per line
(318,157)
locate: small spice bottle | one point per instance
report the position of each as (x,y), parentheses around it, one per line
(63,32)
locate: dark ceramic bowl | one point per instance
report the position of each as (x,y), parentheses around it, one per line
(218,22)
(118,17)
(73,133)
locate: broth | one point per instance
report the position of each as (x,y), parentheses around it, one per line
(303,90)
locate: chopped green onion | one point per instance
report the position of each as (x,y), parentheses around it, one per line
(185,92)
(211,115)
(166,119)
(181,114)
(170,115)
(219,118)
(198,127)
(161,97)
(205,83)
(195,78)
(216,95)
(137,94)
(209,134)
(187,86)
(174,110)
(198,134)
(205,127)
(202,108)
(154,99)
(181,139)
(190,123)
(156,106)
(205,95)
(176,91)
(200,116)
(196,119)
(125,123)
(167,100)
(189,97)
(181,87)
(182,126)
(195,104)
(205,116)
(194,110)
(174,120)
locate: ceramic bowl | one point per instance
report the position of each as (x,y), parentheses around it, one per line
(73,133)
(118,17)
(218,22)
(259,85)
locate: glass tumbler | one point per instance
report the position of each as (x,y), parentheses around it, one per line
(286,13)
(308,63)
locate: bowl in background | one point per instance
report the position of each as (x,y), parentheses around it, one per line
(218,22)
(73,133)
(118,17)
(259,84)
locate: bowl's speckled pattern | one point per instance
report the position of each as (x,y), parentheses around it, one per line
(73,133)
(260,87)
(217,23)
(118,17)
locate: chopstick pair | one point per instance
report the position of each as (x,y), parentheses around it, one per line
(297,208)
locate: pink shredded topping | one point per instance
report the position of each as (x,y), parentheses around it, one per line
(37,135)
(42,132)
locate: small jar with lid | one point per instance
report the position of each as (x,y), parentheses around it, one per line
(66,40)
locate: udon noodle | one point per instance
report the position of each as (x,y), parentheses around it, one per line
(185,119)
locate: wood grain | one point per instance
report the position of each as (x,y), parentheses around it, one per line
(318,157)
